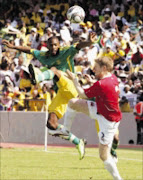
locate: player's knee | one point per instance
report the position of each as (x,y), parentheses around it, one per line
(116,138)
(52,122)
(50,126)
(72,102)
(103,157)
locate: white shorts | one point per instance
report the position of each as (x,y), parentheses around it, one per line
(107,129)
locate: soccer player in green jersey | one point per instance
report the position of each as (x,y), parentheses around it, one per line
(62,59)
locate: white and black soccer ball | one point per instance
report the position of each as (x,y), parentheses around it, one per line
(76,14)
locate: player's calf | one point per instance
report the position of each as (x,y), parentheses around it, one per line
(52,122)
(115,144)
(32,72)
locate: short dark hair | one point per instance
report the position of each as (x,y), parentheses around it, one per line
(53,37)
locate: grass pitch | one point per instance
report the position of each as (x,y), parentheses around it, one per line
(64,164)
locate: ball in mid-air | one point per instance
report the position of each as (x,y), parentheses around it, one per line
(76,14)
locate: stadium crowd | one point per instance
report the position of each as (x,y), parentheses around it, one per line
(119,34)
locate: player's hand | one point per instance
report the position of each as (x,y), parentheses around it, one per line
(7,43)
(92,37)
(89,79)
(70,75)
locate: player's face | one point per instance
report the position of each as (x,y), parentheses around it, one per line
(99,71)
(54,46)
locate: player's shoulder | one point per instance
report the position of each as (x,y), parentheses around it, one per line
(114,77)
(64,48)
(38,52)
(43,53)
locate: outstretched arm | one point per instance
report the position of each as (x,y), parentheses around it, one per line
(20,48)
(76,84)
(84,44)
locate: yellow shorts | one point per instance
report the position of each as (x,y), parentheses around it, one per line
(65,92)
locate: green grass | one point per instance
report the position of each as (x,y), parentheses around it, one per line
(63,164)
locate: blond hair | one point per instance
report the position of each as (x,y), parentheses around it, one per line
(105,61)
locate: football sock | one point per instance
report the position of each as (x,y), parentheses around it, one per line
(69,118)
(71,137)
(111,167)
(45,75)
(115,144)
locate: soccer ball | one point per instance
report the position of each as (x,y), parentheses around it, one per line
(75,14)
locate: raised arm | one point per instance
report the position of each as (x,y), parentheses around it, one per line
(77,85)
(20,48)
(84,44)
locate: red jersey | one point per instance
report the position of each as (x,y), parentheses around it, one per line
(139,110)
(106,93)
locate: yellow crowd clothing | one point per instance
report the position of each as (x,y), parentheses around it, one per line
(125,107)
(121,53)
(36,104)
(110,54)
(25,83)
(123,44)
(26,20)
(36,18)
(18,101)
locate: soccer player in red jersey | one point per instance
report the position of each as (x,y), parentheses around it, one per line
(138,112)
(105,109)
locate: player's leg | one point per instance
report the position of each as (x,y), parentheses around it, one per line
(57,130)
(106,135)
(115,144)
(38,75)
(141,132)
(66,92)
(109,163)
(75,105)
(138,131)
(58,107)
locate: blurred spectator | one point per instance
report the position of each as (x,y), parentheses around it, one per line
(33,39)
(124,104)
(123,80)
(65,35)
(138,112)
(122,41)
(6,101)
(4,69)
(137,58)
(35,101)
(25,83)
(123,66)
(42,45)
(108,52)
(131,97)
(18,100)
(48,33)
(119,55)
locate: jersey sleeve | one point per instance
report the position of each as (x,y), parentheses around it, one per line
(40,55)
(73,49)
(93,91)
(35,53)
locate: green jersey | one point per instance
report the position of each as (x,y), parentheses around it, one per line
(62,61)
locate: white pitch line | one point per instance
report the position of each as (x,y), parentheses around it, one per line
(89,155)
